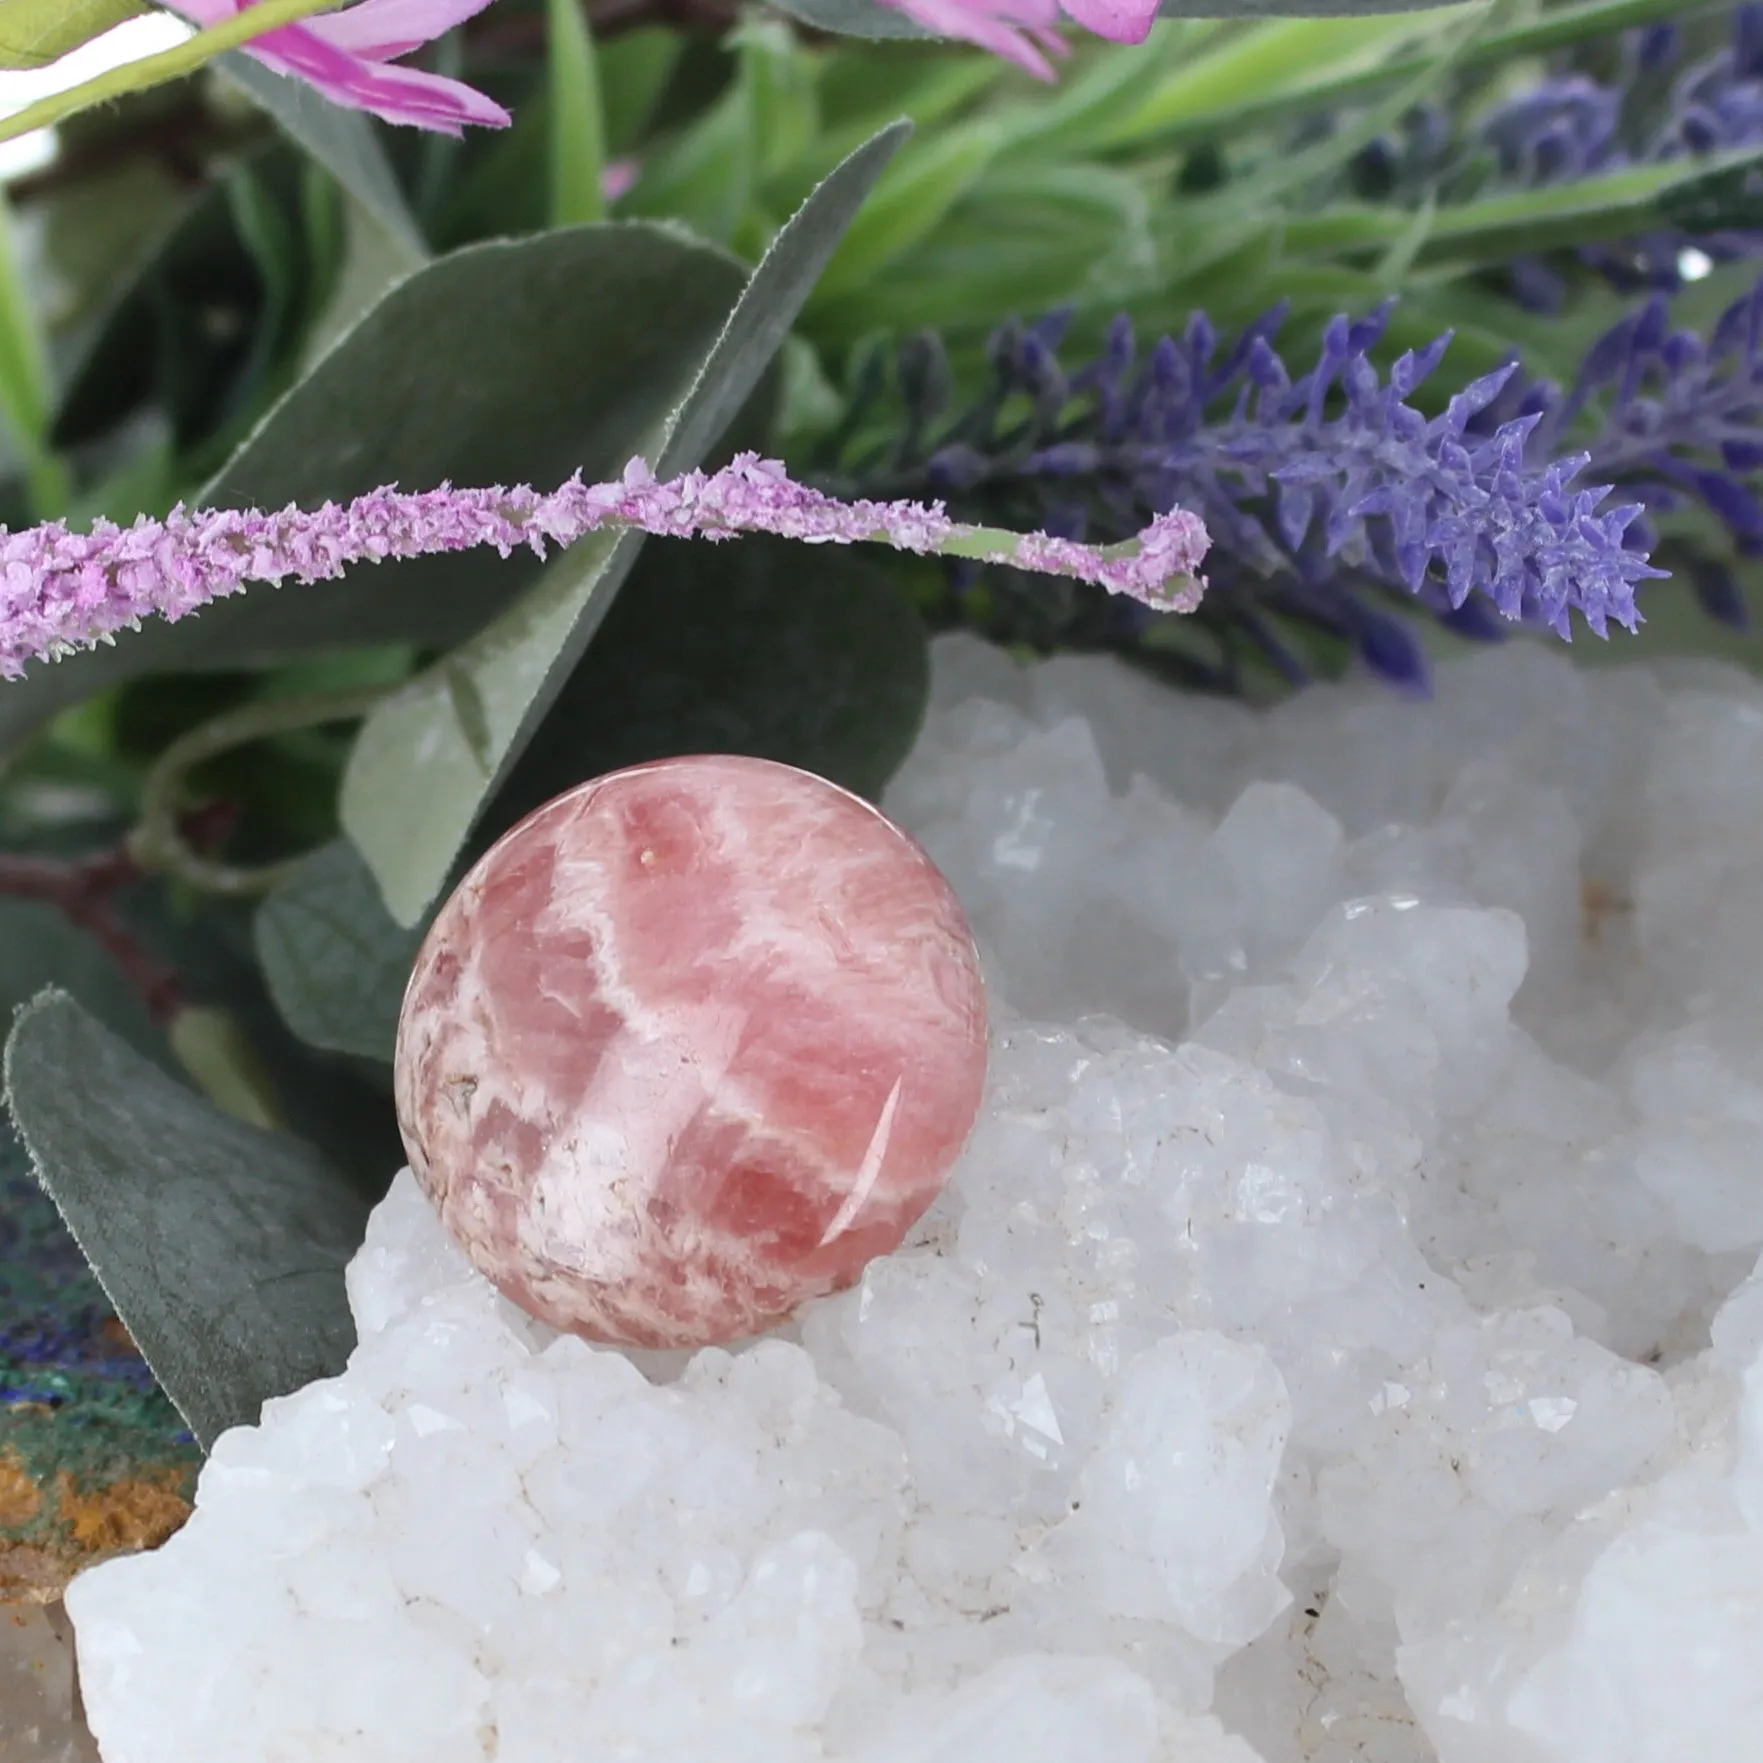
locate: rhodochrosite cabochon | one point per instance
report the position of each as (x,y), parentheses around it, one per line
(692,1043)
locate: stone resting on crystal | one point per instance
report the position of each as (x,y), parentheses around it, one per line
(691,1044)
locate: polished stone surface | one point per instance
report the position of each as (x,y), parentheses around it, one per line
(690,1045)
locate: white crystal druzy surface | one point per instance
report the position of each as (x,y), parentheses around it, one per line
(1341,1340)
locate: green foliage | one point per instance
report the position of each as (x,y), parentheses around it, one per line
(579,340)
(342,141)
(220,1246)
(428,759)
(810,656)
(578,129)
(333,958)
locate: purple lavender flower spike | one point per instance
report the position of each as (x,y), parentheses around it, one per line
(61,590)
(1324,494)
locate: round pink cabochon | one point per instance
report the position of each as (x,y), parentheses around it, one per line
(692,1043)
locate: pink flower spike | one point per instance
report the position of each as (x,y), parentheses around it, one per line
(347,55)
(61,590)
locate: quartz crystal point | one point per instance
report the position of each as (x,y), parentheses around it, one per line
(691,1044)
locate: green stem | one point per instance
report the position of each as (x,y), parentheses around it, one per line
(168,64)
(156,843)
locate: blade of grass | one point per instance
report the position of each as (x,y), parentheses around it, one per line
(1251,68)
(1494,229)
(578,128)
(26,386)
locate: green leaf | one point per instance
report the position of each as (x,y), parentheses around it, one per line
(578,131)
(910,202)
(40,947)
(635,68)
(703,178)
(429,758)
(342,141)
(1026,240)
(25,395)
(1215,114)
(1254,66)
(854,18)
(221,1246)
(34,33)
(812,656)
(1493,229)
(506,362)
(779,77)
(335,962)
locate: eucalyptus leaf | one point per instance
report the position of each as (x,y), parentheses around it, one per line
(221,1246)
(335,962)
(506,362)
(812,656)
(342,141)
(39,947)
(428,759)
(34,33)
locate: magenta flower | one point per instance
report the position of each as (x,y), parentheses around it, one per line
(1020,29)
(62,590)
(347,55)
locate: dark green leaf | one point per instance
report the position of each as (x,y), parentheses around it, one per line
(335,962)
(220,1246)
(183,329)
(429,758)
(809,655)
(505,362)
(39,947)
(342,141)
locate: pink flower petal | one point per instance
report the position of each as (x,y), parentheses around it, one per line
(1003,26)
(399,94)
(382,30)
(1121,21)
(344,56)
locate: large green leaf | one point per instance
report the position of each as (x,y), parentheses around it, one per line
(342,141)
(220,1246)
(429,758)
(506,362)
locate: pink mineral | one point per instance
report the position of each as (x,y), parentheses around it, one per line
(690,1045)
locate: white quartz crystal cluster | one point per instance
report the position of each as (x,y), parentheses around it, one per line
(1342,1339)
